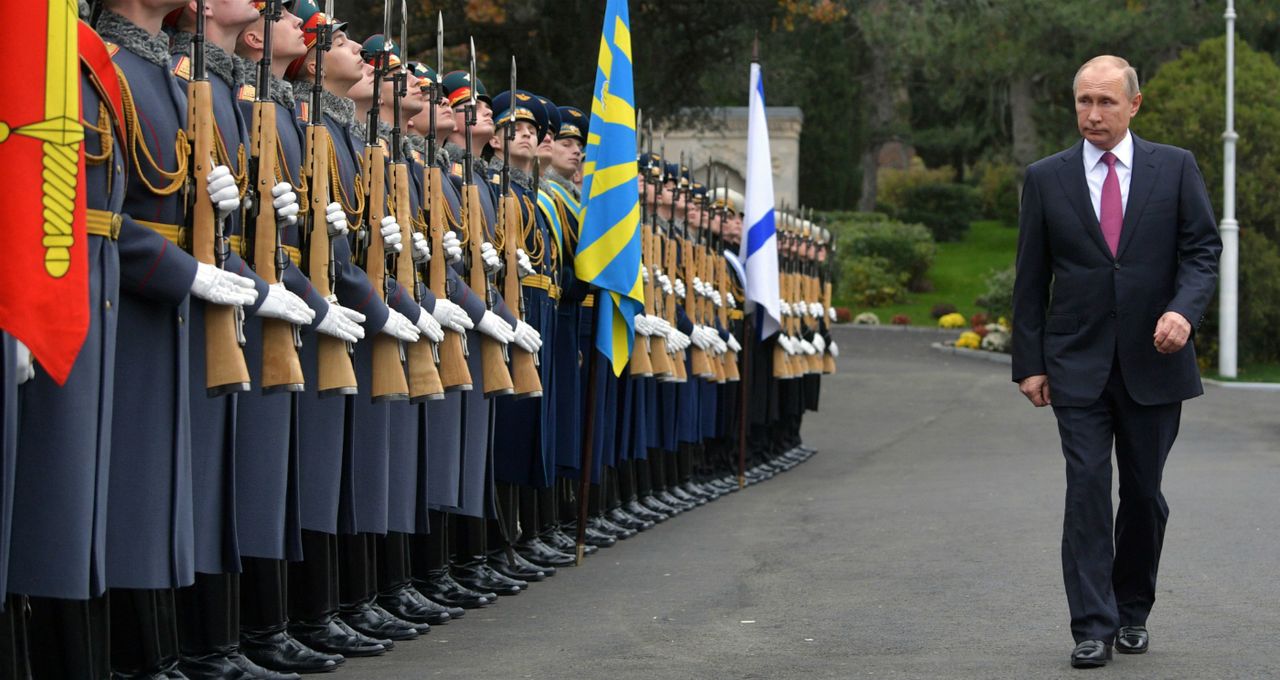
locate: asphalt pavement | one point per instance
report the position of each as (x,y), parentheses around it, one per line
(922,542)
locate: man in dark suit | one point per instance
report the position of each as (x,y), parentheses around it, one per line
(1117,260)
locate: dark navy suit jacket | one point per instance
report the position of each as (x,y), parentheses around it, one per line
(1077,308)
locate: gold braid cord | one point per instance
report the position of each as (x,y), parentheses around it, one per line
(354,207)
(538,248)
(137,148)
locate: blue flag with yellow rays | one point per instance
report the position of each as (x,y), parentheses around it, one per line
(608,254)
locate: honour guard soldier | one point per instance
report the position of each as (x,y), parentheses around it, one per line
(64,433)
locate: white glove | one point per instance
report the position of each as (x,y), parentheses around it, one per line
(665,281)
(341,323)
(451,316)
(337,219)
(281,304)
(815,310)
(834,349)
(680,290)
(659,325)
(398,327)
(734,344)
(717,343)
(285,202)
(716,299)
(786,308)
(831,314)
(523,263)
(697,287)
(391,235)
(223,192)
(221,287)
(644,274)
(493,326)
(677,341)
(452,247)
(819,344)
(26,367)
(527,338)
(430,327)
(642,326)
(489,255)
(421,250)
(787,346)
(700,338)
(808,348)
(733,302)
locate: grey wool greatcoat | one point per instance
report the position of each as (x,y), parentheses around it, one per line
(64,446)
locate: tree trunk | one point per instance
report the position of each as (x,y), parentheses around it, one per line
(1026,141)
(883,97)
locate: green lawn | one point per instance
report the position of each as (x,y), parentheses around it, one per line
(958,273)
(1251,373)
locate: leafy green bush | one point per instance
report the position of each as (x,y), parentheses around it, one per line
(1259,311)
(1182,105)
(868,281)
(908,249)
(998,191)
(893,185)
(998,298)
(946,209)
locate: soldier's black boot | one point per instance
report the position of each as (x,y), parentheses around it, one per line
(395,593)
(264,634)
(431,573)
(66,638)
(144,640)
(209,632)
(503,534)
(313,602)
(644,492)
(470,568)
(535,507)
(357,588)
(14,660)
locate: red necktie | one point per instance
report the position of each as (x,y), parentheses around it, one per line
(1112,213)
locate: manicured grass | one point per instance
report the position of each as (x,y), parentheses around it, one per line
(1251,373)
(958,273)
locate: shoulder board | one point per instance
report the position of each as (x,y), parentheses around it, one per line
(182,69)
(112,48)
(95,58)
(386,148)
(456,169)
(417,156)
(496,179)
(304,110)
(247,92)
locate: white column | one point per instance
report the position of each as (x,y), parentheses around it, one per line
(1228,288)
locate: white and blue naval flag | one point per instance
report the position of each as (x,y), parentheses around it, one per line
(759,250)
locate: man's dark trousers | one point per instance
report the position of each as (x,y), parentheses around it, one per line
(1113,584)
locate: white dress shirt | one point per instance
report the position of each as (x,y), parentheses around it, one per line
(1095,171)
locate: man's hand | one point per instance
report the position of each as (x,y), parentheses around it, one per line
(1035,388)
(1172,332)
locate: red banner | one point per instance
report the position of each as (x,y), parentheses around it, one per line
(44,287)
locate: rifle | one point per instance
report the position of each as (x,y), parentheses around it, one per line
(721,275)
(659,359)
(781,362)
(524,368)
(493,354)
(281,369)
(452,351)
(389,383)
(641,365)
(708,277)
(424,378)
(699,364)
(334,373)
(225,368)
(828,361)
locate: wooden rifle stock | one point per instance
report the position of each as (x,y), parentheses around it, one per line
(828,361)
(454,373)
(225,368)
(281,369)
(334,373)
(641,365)
(424,379)
(731,371)
(680,373)
(698,362)
(659,360)
(708,305)
(524,368)
(493,363)
(388,382)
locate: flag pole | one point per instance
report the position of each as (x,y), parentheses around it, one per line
(747,336)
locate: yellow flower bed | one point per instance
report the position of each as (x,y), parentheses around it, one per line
(953,320)
(969,340)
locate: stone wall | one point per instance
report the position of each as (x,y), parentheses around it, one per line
(719,136)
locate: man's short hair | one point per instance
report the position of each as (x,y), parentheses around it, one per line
(1130,74)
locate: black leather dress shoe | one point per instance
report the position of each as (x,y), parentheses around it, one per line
(387,643)
(604,526)
(593,537)
(327,636)
(1132,640)
(559,539)
(655,505)
(538,552)
(227,665)
(436,614)
(514,568)
(686,497)
(279,651)
(401,605)
(670,499)
(256,672)
(641,512)
(376,622)
(625,519)
(526,564)
(1090,654)
(441,588)
(477,576)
